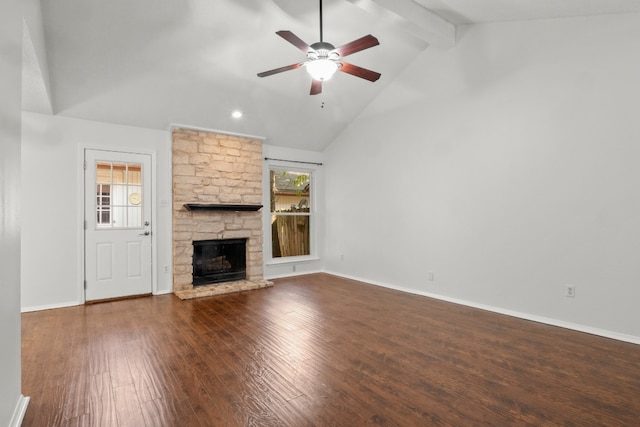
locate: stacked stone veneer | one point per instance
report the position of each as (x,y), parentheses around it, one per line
(213,168)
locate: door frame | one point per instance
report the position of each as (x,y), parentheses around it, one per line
(81,213)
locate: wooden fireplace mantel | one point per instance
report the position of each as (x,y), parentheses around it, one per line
(220,207)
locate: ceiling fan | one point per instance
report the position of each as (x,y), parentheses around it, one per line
(324,59)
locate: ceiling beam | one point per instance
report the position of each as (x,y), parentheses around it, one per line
(420,21)
(36,95)
(35,84)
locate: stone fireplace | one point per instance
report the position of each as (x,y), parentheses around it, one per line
(217,196)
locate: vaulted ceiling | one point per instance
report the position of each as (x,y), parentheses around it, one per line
(153,63)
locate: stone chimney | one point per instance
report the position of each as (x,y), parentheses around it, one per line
(216,172)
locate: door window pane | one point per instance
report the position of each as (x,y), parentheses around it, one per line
(103,205)
(118,195)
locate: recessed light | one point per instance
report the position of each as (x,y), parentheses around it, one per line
(236,114)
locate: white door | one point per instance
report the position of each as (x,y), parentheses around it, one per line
(117,224)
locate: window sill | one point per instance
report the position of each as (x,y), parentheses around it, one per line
(291,260)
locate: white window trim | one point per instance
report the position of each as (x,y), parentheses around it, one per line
(267,247)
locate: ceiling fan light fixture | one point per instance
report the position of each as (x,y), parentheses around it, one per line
(324,59)
(322,69)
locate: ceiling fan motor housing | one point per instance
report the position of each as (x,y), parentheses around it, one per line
(322,50)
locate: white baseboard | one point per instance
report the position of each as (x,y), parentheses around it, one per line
(19,411)
(68,304)
(526,316)
(50,306)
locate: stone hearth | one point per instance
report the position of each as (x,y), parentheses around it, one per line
(216,169)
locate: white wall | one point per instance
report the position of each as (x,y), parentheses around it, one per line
(52,203)
(10,105)
(507,166)
(291,267)
(52,179)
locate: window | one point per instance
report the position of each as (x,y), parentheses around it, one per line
(291,213)
(118,195)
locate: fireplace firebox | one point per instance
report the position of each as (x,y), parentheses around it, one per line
(216,261)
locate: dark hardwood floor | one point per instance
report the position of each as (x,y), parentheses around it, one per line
(318,350)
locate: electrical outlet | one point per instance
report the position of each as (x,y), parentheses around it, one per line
(430,276)
(166,268)
(570,291)
(294,268)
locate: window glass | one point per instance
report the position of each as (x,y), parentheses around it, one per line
(290,201)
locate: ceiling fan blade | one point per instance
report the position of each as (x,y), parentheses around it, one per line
(357,45)
(294,40)
(363,73)
(280,70)
(316,87)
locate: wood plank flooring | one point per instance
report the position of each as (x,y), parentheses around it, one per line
(318,350)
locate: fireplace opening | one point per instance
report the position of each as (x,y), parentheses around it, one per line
(216,261)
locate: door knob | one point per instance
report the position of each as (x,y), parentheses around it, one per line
(146,233)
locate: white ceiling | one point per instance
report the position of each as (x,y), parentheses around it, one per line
(483,11)
(151,63)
